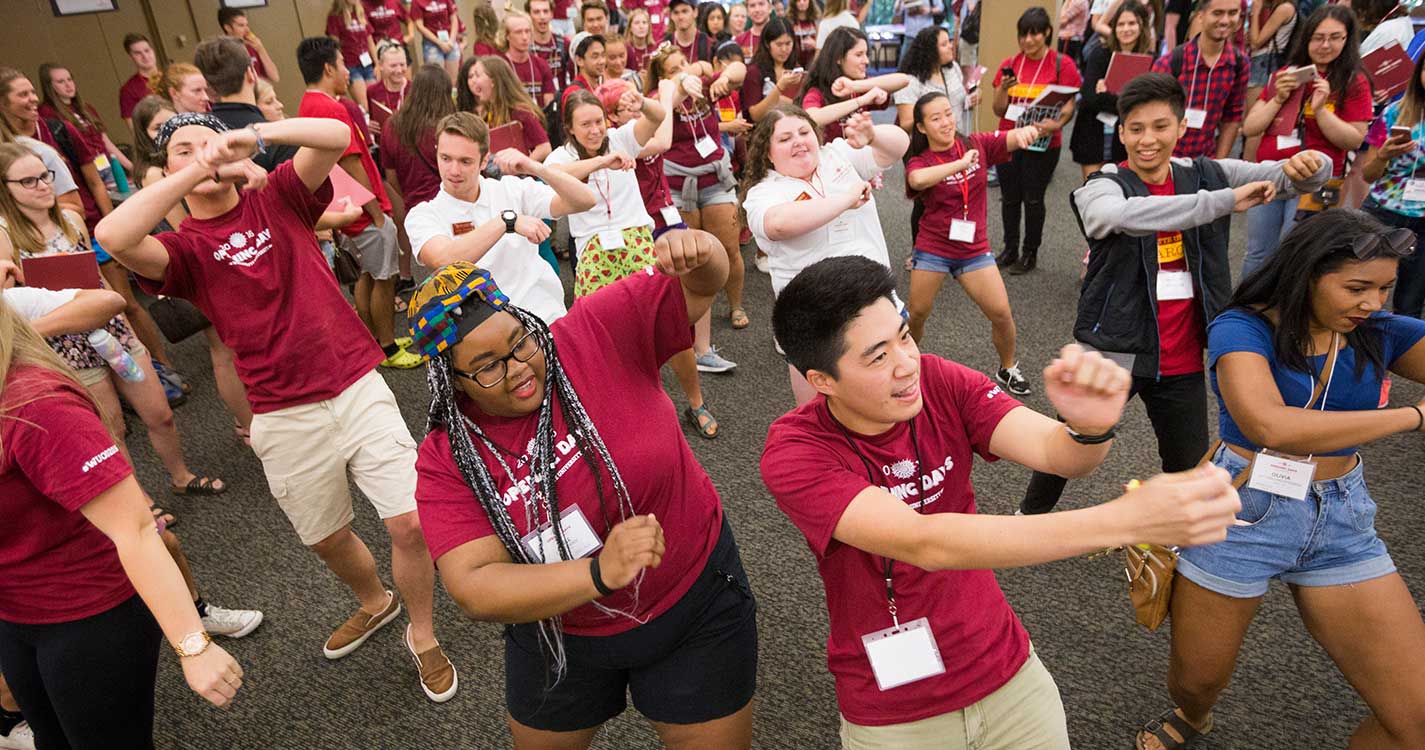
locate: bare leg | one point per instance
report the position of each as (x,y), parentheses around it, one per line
(357,88)
(361,293)
(7,699)
(685,368)
(730,732)
(414,576)
(924,287)
(383,310)
(722,221)
(225,377)
(175,550)
(529,738)
(986,288)
(148,400)
(118,279)
(398,212)
(352,562)
(702,334)
(1373,632)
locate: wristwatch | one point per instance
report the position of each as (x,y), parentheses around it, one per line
(509,217)
(193,644)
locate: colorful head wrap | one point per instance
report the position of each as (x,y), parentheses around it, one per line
(450,304)
(175,122)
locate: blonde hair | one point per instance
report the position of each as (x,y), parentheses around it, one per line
(22,346)
(832,8)
(171,78)
(628,29)
(508,93)
(25,237)
(502,39)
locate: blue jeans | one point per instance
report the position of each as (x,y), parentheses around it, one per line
(1410,277)
(1267,224)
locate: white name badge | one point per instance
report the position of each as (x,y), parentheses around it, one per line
(838,231)
(705,145)
(1196,118)
(1285,142)
(1283,476)
(1414,190)
(611,239)
(578,534)
(1014,112)
(670,215)
(365,58)
(902,655)
(962,230)
(1109,119)
(653,18)
(1174,285)
(443,35)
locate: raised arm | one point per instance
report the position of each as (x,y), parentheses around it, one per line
(697,258)
(794,219)
(580,170)
(662,138)
(888,143)
(836,111)
(655,111)
(571,196)
(124,233)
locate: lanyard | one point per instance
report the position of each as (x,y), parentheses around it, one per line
(887,567)
(1018,74)
(1206,89)
(964,181)
(696,120)
(1331,357)
(816,175)
(605,192)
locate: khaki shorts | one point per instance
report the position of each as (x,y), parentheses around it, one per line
(306,452)
(1025,714)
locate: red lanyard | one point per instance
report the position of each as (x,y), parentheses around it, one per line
(1018,77)
(964,181)
(605,192)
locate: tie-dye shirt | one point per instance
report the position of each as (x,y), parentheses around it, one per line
(1389,190)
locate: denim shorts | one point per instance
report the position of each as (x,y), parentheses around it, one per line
(956,267)
(1263,66)
(431,51)
(712,195)
(364,72)
(1328,539)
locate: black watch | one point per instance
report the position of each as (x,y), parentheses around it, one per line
(509,217)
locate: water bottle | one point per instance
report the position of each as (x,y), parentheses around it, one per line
(106,173)
(114,353)
(121,178)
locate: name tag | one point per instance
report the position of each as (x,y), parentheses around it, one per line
(461,227)
(1014,112)
(839,231)
(962,230)
(443,35)
(671,215)
(705,145)
(611,239)
(1174,285)
(1414,190)
(578,534)
(1285,142)
(1283,476)
(900,656)
(654,18)
(1196,118)
(365,58)
(1109,119)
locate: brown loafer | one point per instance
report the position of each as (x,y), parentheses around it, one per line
(438,678)
(359,627)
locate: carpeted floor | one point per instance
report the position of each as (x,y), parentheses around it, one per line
(1286,693)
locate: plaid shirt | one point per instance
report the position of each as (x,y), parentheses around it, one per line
(1220,90)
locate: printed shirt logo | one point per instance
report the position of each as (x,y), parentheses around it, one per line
(995,391)
(244,248)
(566,459)
(1170,247)
(929,489)
(99,458)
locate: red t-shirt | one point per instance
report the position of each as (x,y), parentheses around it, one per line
(257,66)
(555,54)
(813,473)
(959,196)
(657,18)
(536,76)
(832,130)
(86,123)
(701,42)
(805,30)
(1357,107)
(621,334)
(384,102)
(1182,334)
(748,40)
(434,13)
(318,104)
(131,93)
(480,49)
(257,273)
(1032,77)
(354,37)
(531,128)
(387,19)
(416,173)
(693,121)
(83,156)
(55,566)
(578,82)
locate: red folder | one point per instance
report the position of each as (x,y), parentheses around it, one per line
(62,271)
(344,186)
(1055,96)
(1124,67)
(1388,69)
(509,135)
(1285,121)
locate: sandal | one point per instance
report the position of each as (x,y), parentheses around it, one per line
(200,486)
(1159,727)
(244,434)
(738,318)
(163,519)
(401,304)
(702,420)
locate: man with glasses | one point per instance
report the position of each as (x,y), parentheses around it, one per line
(496,224)
(228,69)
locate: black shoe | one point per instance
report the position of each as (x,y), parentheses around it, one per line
(1026,263)
(1007,258)
(1013,381)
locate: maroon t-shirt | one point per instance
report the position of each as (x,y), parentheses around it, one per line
(354,36)
(749,41)
(384,102)
(82,156)
(555,54)
(638,56)
(86,123)
(813,473)
(55,566)
(653,186)
(620,334)
(435,14)
(387,18)
(131,93)
(416,172)
(536,76)
(257,66)
(692,121)
(959,196)
(258,274)
(318,104)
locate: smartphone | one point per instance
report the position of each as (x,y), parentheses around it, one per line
(1006,72)
(1400,131)
(1303,74)
(798,71)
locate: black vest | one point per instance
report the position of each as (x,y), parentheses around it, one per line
(1118,302)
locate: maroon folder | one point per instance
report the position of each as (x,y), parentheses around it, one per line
(1388,69)
(62,271)
(1124,67)
(509,135)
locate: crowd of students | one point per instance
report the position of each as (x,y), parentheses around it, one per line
(666,136)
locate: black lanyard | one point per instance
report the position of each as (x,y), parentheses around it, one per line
(871,472)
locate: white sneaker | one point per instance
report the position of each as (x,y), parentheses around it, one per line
(761,262)
(21,737)
(233,623)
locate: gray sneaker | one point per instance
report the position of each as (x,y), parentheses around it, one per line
(711,361)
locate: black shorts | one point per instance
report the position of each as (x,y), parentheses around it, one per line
(694,663)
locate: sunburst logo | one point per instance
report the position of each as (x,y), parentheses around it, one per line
(237,240)
(903,469)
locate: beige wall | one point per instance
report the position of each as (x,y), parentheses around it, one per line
(998,42)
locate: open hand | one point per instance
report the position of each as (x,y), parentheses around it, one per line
(1087,390)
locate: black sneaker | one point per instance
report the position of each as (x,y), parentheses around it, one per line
(1013,381)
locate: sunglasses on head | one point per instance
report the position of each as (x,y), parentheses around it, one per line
(1400,241)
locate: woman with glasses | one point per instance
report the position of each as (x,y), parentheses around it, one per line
(589,529)
(1330,115)
(1297,362)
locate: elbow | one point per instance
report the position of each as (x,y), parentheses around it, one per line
(112,303)
(106,234)
(582,200)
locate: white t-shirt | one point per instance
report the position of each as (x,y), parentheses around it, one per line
(618,202)
(954,89)
(514,262)
(1400,30)
(855,232)
(32,302)
(825,26)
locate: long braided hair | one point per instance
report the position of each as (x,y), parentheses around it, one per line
(542,502)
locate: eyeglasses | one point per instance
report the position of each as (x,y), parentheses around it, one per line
(30,183)
(1400,241)
(1332,39)
(494,373)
